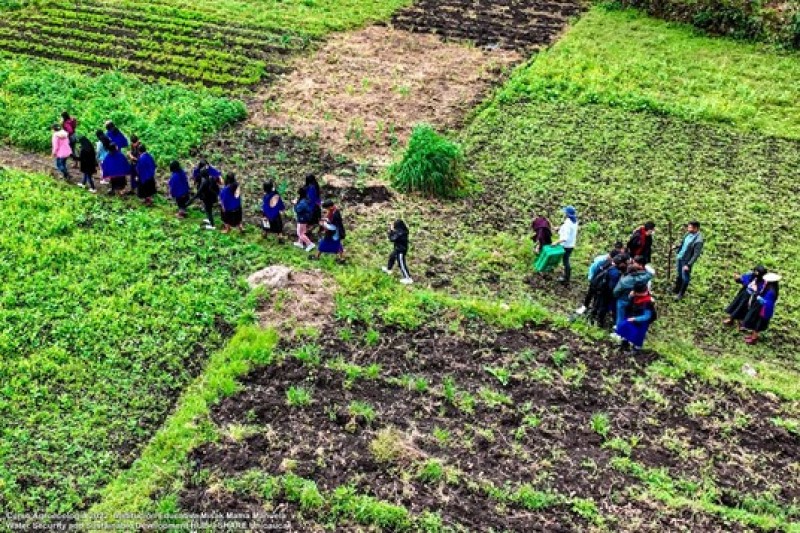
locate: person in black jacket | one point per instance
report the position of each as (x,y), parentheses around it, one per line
(640,242)
(87,159)
(398,234)
(207,192)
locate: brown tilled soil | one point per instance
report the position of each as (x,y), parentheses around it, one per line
(361,94)
(306,301)
(522,25)
(543,435)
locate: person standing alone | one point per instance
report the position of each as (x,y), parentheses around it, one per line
(689,251)
(567,237)
(398,235)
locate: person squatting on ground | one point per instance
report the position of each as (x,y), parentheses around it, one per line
(567,237)
(178,186)
(116,169)
(398,235)
(208,193)
(230,200)
(271,207)
(640,243)
(87,162)
(542,233)
(334,233)
(61,150)
(754,305)
(639,314)
(146,172)
(636,274)
(689,251)
(303,211)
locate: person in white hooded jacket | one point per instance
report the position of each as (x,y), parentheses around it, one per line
(567,237)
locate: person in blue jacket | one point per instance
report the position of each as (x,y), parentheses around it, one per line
(303,212)
(751,285)
(116,169)
(603,285)
(116,136)
(639,314)
(313,192)
(271,208)
(762,308)
(230,199)
(179,188)
(146,171)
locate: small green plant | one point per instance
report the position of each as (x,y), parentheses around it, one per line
(432,165)
(359,409)
(601,424)
(298,396)
(372,337)
(431,471)
(441,435)
(493,398)
(503,375)
(449,390)
(789,424)
(309,354)
(560,356)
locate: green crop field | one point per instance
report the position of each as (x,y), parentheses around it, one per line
(140,373)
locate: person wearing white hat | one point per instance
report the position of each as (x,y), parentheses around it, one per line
(763,308)
(567,237)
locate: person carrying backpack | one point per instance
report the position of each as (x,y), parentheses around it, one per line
(636,273)
(640,242)
(603,286)
(334,232)
(598,263)
(639,314)
(398,234)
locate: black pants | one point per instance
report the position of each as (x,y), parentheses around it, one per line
(603,305)
(400,258)
(567,266)
(183,202)
(208,205)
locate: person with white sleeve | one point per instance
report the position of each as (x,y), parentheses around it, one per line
(567,237)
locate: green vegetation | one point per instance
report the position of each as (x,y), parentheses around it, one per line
(628,60)
(172,119)
(431,165)
(107,314)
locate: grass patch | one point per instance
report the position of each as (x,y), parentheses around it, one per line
(627,59)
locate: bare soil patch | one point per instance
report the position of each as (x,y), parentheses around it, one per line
(362,92)
(12,158)
(523,25)
(306,300)
(535,426)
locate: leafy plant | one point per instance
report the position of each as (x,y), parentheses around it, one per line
(601,424)
(298,396)
(431,165)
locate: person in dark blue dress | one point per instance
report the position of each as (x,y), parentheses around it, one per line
(116,136)
(179,188)
(333,232)
(116,169)
(230,199)
(146,171)
(271,208)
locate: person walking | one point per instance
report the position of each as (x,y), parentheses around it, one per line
(762,308)
(230,200)
(133,157)
(271,208)
(689,251)
(639,314)
(70,125)
(87,162)
(303,212)
(313,193)
(179,188)
(116,169)
(208,193)
(542,232)
(398,235)
(567,237)
(334,232)
(204,166)
(61,150)
(640,242)
(116,136)
(146,172)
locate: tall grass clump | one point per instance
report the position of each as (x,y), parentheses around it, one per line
(432,165)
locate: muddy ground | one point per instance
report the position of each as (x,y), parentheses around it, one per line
(523,25)
(535,425)
(362,92)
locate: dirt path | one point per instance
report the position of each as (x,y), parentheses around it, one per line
(361,93)
(28,161)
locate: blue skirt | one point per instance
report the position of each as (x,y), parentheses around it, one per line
(328,245)
(634,332)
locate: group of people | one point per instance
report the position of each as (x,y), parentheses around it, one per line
(128,168)
(620,280)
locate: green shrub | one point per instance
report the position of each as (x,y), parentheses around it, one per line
(432,165)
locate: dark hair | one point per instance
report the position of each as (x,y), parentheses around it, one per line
(202,163)
(110,126)
(134,138)
(614,253)
(65,115)
(111,147)
(639,260)
(142,148)
(399,225)
(56,127)
(230,178)
(328,203)
(619,245)
(621,260)
(623,257)
(175,166)
(760,271)
(695,223)
(269,186)
(649,225)
(85,144)
(640,286)
(311,179)
(100,134)
(302,193)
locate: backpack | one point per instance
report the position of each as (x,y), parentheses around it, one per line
(637,241)
(599,282)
